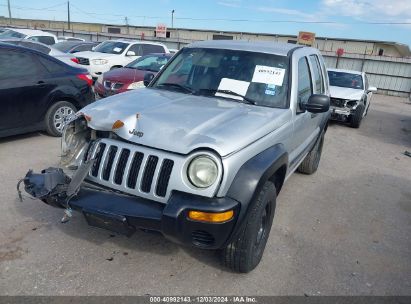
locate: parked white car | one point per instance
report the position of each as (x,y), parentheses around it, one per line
(350,95)
(70,59)
(35,35)
(113,54)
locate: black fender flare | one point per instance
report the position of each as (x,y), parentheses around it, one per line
(251,177)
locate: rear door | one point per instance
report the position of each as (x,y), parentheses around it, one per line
(21,89)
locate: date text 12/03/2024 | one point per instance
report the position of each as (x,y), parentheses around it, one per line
(203,299)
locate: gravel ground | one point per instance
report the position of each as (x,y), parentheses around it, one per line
(344,231)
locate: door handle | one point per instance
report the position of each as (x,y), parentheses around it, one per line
(314,115)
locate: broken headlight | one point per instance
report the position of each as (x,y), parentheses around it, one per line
(74,141)
(351,103)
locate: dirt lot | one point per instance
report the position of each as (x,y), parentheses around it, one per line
(344,231)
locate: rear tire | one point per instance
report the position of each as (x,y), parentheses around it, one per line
(312,160)
(244,253)
(55,116)
(356,118)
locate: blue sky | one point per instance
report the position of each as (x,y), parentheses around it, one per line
(268,16)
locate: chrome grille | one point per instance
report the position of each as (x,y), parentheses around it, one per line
(83,61)
(124,167)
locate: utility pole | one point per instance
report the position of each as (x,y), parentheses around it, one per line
(126,21)
(8,5)
(172,18)
(68,14)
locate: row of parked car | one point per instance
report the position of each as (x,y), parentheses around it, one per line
(44,78)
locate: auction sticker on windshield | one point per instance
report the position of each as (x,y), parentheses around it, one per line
(268,75)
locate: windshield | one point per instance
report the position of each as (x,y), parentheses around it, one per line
(345,80)
(151,63)
(11,34)
(258,78)
(111,47)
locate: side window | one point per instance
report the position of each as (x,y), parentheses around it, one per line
(51,66)
(151,48)
(16,64)
(43,39)
(305,87)
(317,75)
(136,48)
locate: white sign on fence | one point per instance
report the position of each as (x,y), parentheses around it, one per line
(161,30)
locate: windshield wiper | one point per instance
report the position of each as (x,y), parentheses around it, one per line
(229,92)
(176,85)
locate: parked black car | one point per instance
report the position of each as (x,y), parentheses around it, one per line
(75,46)
(37,91)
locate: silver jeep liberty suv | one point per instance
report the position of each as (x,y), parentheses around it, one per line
(202,152)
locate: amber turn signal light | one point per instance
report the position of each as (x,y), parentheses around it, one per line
(218,217)
(118,124)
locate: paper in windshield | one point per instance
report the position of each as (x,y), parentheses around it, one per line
(238,86)
(268,75)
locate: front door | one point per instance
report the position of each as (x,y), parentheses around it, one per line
(20,89)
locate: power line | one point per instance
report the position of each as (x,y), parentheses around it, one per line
(92,14)
(36,9)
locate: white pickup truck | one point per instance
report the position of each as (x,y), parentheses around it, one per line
(113,54)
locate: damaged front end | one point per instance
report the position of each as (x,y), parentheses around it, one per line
(56,186)
(342,109)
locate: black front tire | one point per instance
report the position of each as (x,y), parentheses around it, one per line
(356,118)
(312,160)
(244,253)
(55,117)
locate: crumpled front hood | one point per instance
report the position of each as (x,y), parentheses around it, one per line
(94,55)
(346,93)
(181,123)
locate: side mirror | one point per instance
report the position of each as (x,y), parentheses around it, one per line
(317,103)
(93,48)
(131,53)
(147,78)
(372,89)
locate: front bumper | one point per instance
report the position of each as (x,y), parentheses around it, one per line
(124,214)
(342,114)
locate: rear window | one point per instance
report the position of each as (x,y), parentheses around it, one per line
(150,48)
(11,34)
(35,46)
(64,46)
(51,66)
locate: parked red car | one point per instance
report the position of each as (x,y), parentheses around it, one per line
(131,76)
